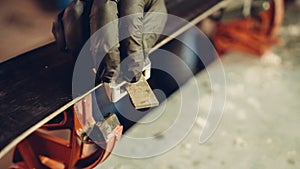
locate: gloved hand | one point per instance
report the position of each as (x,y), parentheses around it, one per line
(74,26)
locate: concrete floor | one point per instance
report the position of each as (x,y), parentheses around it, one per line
(260,124)
(261,121)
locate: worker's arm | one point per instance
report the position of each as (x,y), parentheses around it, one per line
(136,19)
(98,19)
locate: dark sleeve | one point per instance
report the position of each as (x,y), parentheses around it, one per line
(105,36)
(133,39)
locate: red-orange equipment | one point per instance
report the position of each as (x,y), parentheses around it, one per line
(42,150)
(254,35)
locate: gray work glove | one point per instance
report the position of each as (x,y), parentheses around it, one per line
(71,28)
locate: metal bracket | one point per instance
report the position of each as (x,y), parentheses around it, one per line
(116,91)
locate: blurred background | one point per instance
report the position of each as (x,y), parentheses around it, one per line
(261,121)
(26,24)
